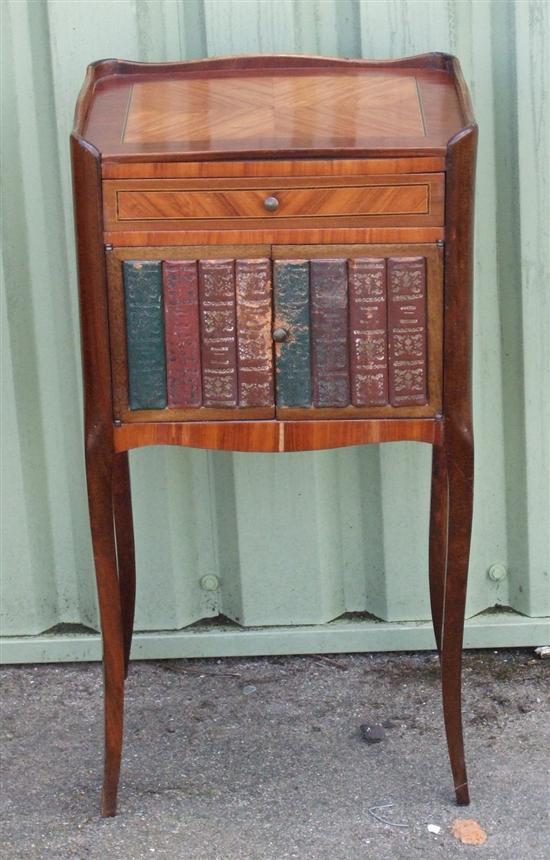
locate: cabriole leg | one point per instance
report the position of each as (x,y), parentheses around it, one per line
(124,533)
(438,538)
(99,470)
(460,464)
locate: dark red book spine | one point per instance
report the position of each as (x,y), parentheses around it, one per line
(329,323)
(218,332)
(254,341)
(407,330)
(368,331)
(181,323)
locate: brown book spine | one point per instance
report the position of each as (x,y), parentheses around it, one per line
(329,322)
(368,331)
(407,330)
(254,341)
(218,332)
(181,323)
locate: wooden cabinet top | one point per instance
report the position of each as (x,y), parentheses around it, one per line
(272,107)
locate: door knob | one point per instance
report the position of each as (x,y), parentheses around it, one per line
(279,335)
(271,204)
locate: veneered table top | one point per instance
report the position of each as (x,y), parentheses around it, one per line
(197,110)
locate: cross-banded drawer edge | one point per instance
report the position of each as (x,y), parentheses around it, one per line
(171,204)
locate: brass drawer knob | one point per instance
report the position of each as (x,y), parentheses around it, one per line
(279,335)
(271,204)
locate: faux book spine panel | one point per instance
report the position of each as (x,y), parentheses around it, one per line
(199,332)
(407,330)
(368,332)
(145,334)
(181,316)
(329,322)
(254,343)
(293,356)
(218,332)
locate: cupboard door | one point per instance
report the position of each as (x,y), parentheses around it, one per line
(359,331)
(301,332)
(191,333)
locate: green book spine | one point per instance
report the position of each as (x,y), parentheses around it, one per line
(293,364)
(145,334)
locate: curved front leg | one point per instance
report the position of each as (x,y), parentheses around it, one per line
(99,471)
(460,464)
(439,522)
(124,534)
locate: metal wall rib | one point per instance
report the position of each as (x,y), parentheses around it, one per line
(294,539)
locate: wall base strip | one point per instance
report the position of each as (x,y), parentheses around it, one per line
(488,630)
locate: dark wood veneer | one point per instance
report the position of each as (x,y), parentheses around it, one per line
(113,152)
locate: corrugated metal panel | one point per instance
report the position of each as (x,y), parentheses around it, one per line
(294,539)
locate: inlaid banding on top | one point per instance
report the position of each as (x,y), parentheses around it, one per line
(287,109)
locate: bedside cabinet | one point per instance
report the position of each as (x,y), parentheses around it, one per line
(275,254)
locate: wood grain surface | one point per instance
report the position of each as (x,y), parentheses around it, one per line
(359,108)
(415,199)
(345,107)
(313,232)
(263,109)
(100,459)
(275,436)
(279,168)
(458,438)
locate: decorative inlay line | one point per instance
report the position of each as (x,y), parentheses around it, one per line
(126,114)
(420,106)
(281,107)
(280,213)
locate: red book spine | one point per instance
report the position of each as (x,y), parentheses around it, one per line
(181,322)
(218,332)
(368,331)
(254,341)
(407,330)
(329,324)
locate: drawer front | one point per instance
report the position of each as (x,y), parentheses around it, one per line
(165,204)
(287,203)
(300,332)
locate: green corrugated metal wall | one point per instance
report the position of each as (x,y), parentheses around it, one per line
(295,540)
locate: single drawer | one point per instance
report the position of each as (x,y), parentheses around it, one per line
(416,199)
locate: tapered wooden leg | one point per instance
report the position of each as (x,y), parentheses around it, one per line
(124,534)
(460,474)
(99,470)
(438,538)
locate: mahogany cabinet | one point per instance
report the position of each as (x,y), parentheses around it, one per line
(275,254)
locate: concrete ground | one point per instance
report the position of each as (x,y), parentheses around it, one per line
(264,759)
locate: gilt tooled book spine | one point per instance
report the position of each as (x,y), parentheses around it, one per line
(407,330)
(144,334)
(254,341)
(368,331)
(181,320)
(329,325)
(292,357)
(218,332)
